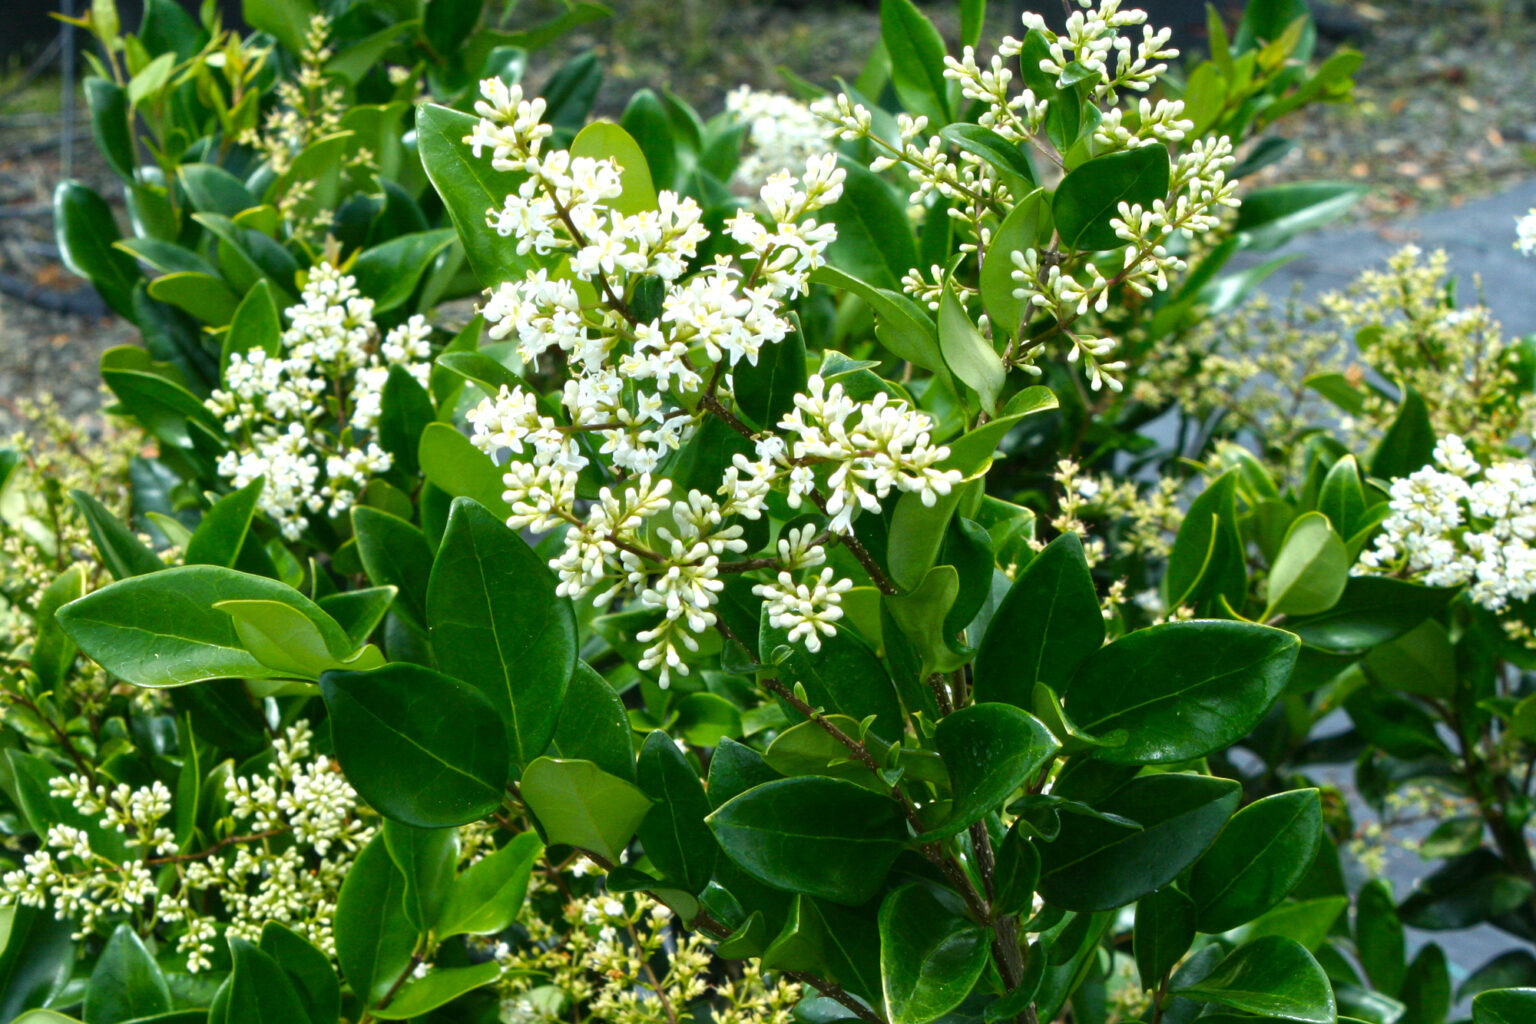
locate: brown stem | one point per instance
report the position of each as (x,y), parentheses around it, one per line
(940,693)
(180,858)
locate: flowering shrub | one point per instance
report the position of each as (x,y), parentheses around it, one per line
(737,477)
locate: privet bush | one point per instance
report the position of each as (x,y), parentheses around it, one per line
(727,623)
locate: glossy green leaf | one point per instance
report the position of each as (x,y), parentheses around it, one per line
(593,725)
(969,356)
(1312,570)
(874,237)
(53,652)
(824,837)
(220,536)
(1373,610)
(427,859)
(1409,443)
(1101,863)
(85,231)
(374,941)
(124,554)
(1421,661)
(1044,628)
(1426,990)
(1027,226)
(917,60)
(1181,689)
(485,899)
(579,804)
(450,461)
(358,612)
(1273,977)
(125,982)
(674,834)
(405,410)
(259,990)
(469,186)
(1272,216)
(1004,156)
(990,750)
(388,272)
(204,296)
(108,103)
(440,987)
(844,676)
(931,954)
(1207,560)
(162,629)
(291,643)
(497,623)
(395,554)
(1262,854)
(1466,891)
(420,747)
(1505,1006)
(308,970)
(1089,197)
(1164,929)
(604,139)
(901,325)
(37,955)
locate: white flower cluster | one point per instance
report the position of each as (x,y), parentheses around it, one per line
(1525,234)
(1067,286)
(301,419)
(640,385)
(1459,523)
(782,133)
(1092,36)
(292,835)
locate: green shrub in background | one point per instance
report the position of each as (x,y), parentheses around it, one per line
(790,709)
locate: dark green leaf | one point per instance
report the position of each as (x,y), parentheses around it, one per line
(1099,863)
(593,725)
(579,804)
(395,554)
(1260,856)
(374,941)
(426,858)
(469,187)
(1465,892)
(1505,1006)
(820,836)
(220,536)
(1003,155)
(917,60)
(85,232)
(441,986)
(125,983)
(485,899)
(1271,976)
(1089,197)
(874,237)
(1165,926)
(1409,443)
(498,624)
(674,834)
(931,954)
(1181,689)
(1373,610)
(1273,216)
(163,629)
(1045,627)
(421,747)
(309,971)
(990,750)
(259,990)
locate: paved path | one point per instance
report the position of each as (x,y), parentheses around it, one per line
(1479,236)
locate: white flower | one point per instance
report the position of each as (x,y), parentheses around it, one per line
(1525,234)
(807,610)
